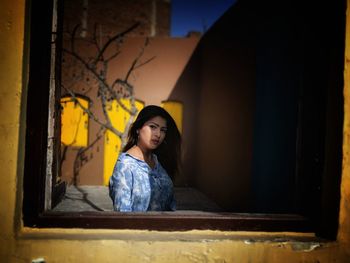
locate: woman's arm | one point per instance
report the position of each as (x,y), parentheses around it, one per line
(120,187)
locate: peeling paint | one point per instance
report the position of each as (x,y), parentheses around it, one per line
(306,247)
(283,243)
(8,25)
(9,20)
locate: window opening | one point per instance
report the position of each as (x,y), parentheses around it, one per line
(94,71)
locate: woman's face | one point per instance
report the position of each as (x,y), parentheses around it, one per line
(152,133)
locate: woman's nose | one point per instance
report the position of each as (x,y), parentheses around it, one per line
(157,132)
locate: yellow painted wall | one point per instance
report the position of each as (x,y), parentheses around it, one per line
(18,244)
(112,143)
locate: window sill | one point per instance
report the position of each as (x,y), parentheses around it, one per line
(172,221)
(297,241)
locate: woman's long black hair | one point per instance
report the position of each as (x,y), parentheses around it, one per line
(169,152)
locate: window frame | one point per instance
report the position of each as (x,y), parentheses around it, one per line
(35,166)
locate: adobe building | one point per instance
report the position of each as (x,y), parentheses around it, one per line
(112,17)
(152,83)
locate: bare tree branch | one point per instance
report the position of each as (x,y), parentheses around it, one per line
(136,59)
(145,62)
(92,116)
(101,79)
(97,67)
(120,35)
(94,38)
(75,29)
(113,56)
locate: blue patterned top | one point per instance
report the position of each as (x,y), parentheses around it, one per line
(135,187)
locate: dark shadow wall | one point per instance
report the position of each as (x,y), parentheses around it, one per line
(258,94)
(299,50)
(218,91)
(279,76)
(187,89)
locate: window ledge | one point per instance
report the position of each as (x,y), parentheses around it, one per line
(297,241)
(172,221)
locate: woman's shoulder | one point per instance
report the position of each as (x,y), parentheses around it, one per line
(127,159)
(134,153)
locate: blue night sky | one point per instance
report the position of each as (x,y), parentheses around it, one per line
(196,15)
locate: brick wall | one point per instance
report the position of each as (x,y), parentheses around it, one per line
(116,16)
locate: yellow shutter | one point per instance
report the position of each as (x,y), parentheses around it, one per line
(74,122)
(175,109)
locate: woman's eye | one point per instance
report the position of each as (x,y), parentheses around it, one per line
(163,130)
(152,127)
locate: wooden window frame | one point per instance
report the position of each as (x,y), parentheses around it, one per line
(323,223)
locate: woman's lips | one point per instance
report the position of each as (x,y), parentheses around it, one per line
(156,142)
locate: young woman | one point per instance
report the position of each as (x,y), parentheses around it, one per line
(141,180)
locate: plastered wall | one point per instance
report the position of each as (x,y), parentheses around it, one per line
(18,244)
(152,84)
